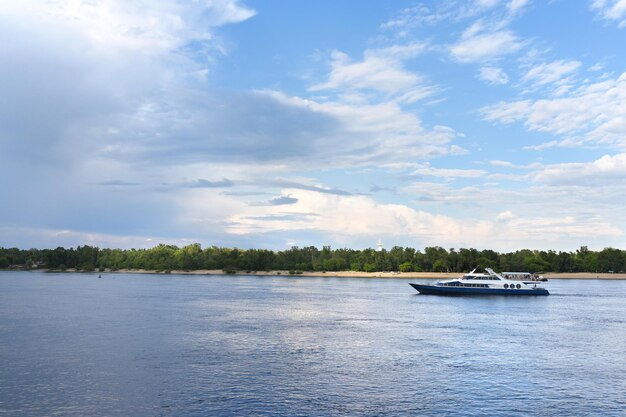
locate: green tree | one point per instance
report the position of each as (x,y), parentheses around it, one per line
(440,266)
(406,267)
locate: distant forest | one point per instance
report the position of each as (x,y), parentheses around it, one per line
(432,259)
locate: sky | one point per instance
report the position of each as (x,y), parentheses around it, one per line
(493,124)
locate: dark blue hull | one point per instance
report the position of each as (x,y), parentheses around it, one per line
(436,290)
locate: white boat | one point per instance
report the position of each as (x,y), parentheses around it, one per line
(489,283)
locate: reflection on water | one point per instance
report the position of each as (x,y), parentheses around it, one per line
(75,345)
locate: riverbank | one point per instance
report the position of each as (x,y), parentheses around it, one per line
(358,274)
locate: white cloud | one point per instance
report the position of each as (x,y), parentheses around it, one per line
(544,215)
(371,133)
(487,4)
(442,193)
(351,216)
(478,47)
(507,164)
(614,10)
(448,173)
(553,72)
(51,238)
(515,6)
(593,114)
(599,66)
(542,146)
(381,70)
(122,107)
(360,218)
(94,77)
(488,38)
(418,16)
(606,171)
(505,216)
(567,227)
(507,112)
(84,68)
(493,75)
(145,26)
(565,143)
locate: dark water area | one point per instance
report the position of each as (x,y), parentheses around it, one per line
(155,345)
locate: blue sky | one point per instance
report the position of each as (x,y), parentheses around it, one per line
(479,123)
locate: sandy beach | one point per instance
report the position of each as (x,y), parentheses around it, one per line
(356,274)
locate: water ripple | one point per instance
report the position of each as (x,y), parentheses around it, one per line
(72,345)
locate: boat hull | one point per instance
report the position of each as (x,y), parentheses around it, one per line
(436,290)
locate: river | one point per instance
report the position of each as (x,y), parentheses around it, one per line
(166,345)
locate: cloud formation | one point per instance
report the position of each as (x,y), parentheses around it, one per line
(493,75)
(612,10)
(603,172)
(141,122)
(591,114)
(552,72)
(381,70)
(479,46)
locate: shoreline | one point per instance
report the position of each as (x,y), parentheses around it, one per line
(347,274)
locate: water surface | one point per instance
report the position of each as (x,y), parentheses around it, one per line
(151,345)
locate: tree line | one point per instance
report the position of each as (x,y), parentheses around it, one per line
(431,259)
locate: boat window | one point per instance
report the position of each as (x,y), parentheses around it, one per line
(506,285)
(519,286)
